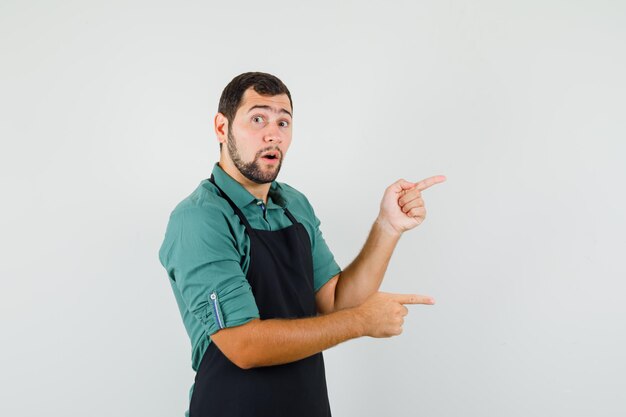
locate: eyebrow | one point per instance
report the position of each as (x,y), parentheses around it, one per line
(258,106)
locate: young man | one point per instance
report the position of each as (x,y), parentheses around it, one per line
(260,293)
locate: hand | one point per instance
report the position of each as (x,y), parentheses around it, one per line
(402,207)
(383,313)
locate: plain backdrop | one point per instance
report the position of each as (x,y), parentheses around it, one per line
(106,122)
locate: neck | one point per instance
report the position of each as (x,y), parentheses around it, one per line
(259,191)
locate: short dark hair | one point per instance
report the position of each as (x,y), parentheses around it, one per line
(263,83)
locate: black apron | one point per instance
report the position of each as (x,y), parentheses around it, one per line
(281,276)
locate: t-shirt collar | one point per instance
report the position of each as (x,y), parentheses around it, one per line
(242,197)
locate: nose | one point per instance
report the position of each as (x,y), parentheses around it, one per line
(272,134)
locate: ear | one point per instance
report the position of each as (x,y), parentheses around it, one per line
(220,124)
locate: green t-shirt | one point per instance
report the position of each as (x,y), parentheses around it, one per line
(206,250)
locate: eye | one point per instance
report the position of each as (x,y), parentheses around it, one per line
(257,119)
(284,123)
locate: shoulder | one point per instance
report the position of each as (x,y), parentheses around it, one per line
(201,212)
(203,202)
(202,219)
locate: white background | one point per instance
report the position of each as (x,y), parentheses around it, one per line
(106,115)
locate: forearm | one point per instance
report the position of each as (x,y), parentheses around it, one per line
(364,275)
(278,341)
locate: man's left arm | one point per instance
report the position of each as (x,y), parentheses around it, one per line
(401,209)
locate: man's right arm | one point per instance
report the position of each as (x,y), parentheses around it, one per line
(278,341)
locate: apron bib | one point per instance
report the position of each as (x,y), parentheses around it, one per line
(281,276)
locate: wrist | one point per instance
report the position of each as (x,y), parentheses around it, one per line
(359,320)
(386,227)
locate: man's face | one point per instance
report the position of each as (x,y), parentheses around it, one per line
(260,135)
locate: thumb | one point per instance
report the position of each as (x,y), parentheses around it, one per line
(401,185)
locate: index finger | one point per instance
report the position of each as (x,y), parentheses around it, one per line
(429,182)
(413,299)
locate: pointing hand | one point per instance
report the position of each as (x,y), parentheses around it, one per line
(383,313)
(402,206)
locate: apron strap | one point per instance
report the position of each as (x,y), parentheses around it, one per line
(288,213)
(238,212)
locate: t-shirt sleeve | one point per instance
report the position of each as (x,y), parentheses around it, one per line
(201,257)
(324,265)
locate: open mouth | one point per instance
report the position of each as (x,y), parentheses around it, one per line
(271,156)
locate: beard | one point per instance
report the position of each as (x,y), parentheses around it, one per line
(252,170)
